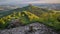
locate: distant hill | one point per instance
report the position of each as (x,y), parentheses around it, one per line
(41,5)
(33,9)
(49,6)
(7,7)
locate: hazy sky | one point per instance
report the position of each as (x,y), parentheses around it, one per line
(27,1)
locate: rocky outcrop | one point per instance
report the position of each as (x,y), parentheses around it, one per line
(34,28)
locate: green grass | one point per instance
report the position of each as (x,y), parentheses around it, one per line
(33,14)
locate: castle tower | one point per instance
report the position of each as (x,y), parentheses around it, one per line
(30,4)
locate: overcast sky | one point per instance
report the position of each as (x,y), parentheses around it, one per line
(27,1)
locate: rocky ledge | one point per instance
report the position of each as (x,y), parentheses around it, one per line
(34,28)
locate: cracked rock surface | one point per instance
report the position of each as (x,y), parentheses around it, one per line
(37,27)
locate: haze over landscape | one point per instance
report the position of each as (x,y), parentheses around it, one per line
(28,1)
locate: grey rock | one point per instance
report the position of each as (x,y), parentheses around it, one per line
(37,27)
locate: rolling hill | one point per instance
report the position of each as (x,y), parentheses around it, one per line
(31,14)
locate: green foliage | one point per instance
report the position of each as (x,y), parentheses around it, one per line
(30,14)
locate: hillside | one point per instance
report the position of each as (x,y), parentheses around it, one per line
(32,9)
(30,14)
